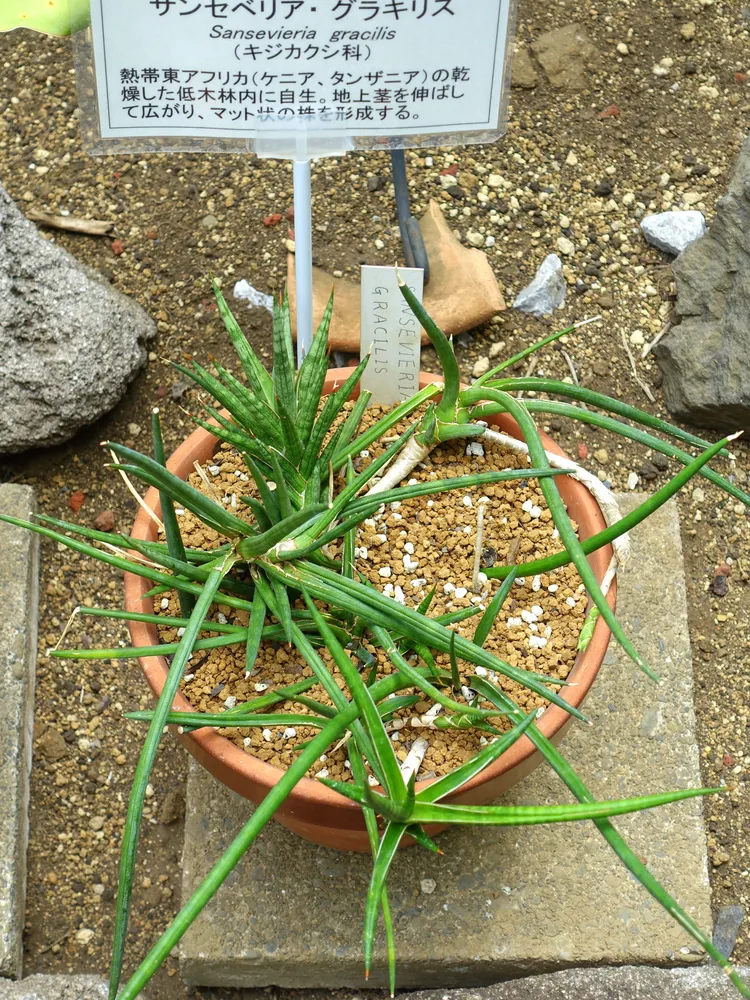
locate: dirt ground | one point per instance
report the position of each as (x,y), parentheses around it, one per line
(181,217)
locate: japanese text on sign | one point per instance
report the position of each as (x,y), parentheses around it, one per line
(228,68)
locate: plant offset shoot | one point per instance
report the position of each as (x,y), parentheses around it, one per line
(274,565)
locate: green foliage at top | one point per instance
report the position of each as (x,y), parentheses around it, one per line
(274,566)
(51,17)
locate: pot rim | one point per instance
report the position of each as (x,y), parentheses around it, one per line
(308,791)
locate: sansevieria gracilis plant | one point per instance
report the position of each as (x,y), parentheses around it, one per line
(274,565)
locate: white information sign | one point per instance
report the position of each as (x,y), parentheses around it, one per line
(224,69)
(390,333)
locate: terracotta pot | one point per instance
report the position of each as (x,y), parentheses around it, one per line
(312,810)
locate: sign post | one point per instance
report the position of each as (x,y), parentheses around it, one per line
(293,79)
(303,268)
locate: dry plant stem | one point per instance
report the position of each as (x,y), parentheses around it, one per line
(414,759)
(478,547)
(139,499)
(409,459)
(668,324)
(573,373)
(529,372)
(207,482)
(91,227)
(646,391)
(76,611)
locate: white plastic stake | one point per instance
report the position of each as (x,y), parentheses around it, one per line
(303,256)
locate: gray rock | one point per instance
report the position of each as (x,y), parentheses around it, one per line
(19,588)
(69,342)
(673,232)
(727,927)
(566,55)
(55,988)
(705,357)
(626,983)
(546,292)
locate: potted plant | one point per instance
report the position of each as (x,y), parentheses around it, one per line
(284,558)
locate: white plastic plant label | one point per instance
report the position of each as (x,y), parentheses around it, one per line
(390,333)
(408,70)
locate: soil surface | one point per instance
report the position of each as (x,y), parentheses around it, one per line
(576,171)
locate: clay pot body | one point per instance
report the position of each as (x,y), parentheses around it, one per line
(312,810)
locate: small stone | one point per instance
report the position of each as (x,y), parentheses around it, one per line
(601,455)
(481,367)
(96,822)
(699,495)
(379,245)
(84,935)
(134,430)
(688,30)
(719,586)
(474,238)
(603,189)
(376,183)
(571,159)
(105,521)
(428,886)
(606,300)
(632,480)
(52,745)
(623,49)
(209,222)
(648,472)
(728,922)
(547,290)
(673,232)
(497,348)
(495,181)
(566,247)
